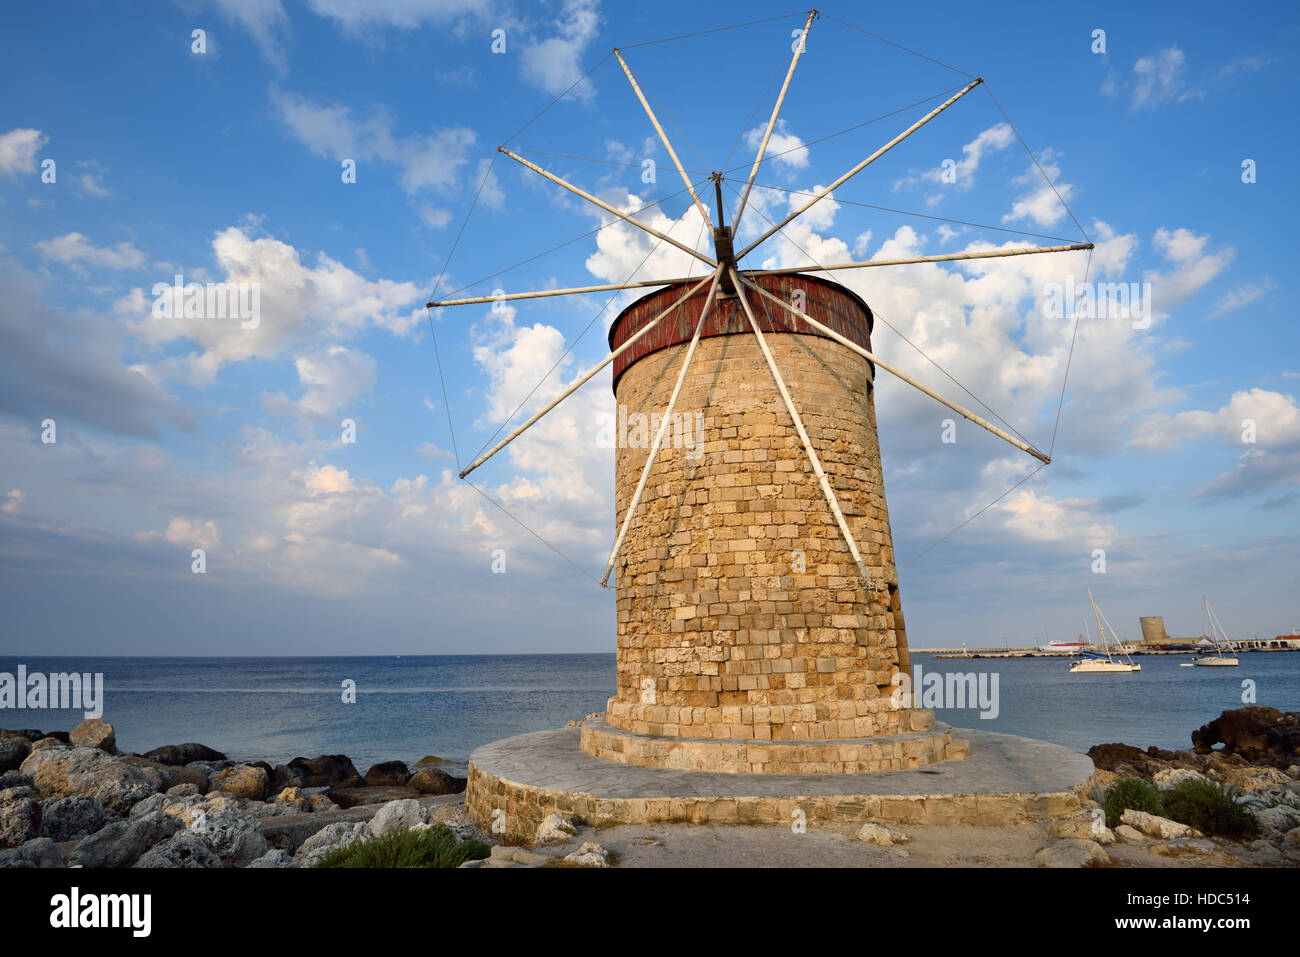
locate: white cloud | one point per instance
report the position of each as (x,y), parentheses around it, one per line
(1193,266)
(76,248)
(554,63)
(1242,296)
(1276,418)
(785,149)
(333,378)
(997,137)
(299,304)
(18,149)
(1161,78)
(1041,204)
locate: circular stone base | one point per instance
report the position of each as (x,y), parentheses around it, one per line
(894,752)
(516,782)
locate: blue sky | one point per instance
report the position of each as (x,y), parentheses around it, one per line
(225,165)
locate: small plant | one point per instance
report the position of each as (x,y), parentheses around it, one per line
(1210,807)
(432,847)
(1130,793)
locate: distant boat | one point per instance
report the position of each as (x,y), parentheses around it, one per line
(1105,663)
(1218,659)
(1067,647)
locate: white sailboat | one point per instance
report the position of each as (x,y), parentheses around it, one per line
(1105,663)
(1218,659)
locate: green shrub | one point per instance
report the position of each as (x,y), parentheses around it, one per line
(1130,793)
(434,847)
(1209,807)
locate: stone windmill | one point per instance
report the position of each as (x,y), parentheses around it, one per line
(759,619)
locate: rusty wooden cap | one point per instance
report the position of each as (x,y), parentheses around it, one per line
(828,302)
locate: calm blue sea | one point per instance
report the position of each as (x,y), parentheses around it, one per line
(276,709)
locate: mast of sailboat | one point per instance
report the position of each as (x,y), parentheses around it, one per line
(1102,631)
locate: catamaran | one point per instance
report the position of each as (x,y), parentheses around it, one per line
(1094,663)
(1218,659)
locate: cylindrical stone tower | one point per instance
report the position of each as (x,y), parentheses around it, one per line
(747,640)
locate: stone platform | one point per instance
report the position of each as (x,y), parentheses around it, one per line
(1005,779)
(930,744)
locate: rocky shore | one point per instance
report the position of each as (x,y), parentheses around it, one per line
(70,799)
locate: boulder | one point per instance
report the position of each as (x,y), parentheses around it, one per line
(69,772)
(20,821)
(389,774)
(49,742)
(353,797)
(340,834)
(243,780)
(1278,820)
(15,779)
(1171,777)
(396,815)
(1085,826)
(168,776)
(555,828)
(1152,825)
(182,754)
(71,818)
(435,781)
(1254,779)
(590,854)
(1256,733)
(274,858)
(881,834)
(1292,838)
(1130,835)
(94,733)
(38,852)
(184,849)
(122,843)
(27,734)
(1071,853)
(328,770)
(431,759)
(12,753)
(236,838)
(457,820)
(184,790)
(282,776)
(1182,846)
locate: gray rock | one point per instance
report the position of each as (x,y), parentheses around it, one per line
(122,843)
(49,742)
(12,752)
(1071,852)
(237,838)
(184,849)
(1170,777)
(72,818)
(38,852)
(18,793)
(154,802)
(69,772)
(590,854)
(95,733)
(15,779)
(274,858)
(1182,846)
(340,834)
(20,821)
(184,790)
(396,815)
(181,754)
(555,828)
(1276,821)
(880,834)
